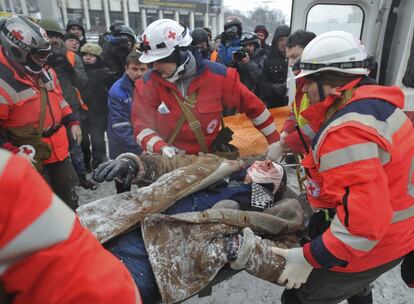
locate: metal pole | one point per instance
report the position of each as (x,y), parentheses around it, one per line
(86,14)
(208,13)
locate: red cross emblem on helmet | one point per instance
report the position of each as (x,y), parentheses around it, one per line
(145,41)
(18,34)
(171,35)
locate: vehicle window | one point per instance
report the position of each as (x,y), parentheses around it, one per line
(408,79)
(322,18)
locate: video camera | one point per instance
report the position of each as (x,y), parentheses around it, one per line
(239,54)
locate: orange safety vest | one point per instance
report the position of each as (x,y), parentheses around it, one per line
(214,55)
(362,164)
(46,255)
(72,60)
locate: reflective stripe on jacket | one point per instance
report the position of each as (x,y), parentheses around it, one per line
(155,110)
(45,255)
(300,104)
(20,106)
(362,164)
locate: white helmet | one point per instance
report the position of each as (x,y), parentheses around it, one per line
(334,51)
(161,38)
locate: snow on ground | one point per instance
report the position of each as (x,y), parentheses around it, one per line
(246,289)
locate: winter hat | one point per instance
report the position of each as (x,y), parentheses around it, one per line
(70,36)
(261,29)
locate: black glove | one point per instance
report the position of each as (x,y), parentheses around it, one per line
(58,60)
(279,89)
(124,169)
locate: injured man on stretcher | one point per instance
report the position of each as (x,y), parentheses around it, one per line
(194,216)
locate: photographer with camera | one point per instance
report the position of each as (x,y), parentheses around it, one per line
(118,44)
(249,60)
(230,40)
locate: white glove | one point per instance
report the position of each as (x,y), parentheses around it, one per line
(274,152)
(283,134)
(168,151)
(76,133)
(297,268)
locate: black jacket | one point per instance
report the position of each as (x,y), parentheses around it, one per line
(95,94)
(251,72)
(273,80)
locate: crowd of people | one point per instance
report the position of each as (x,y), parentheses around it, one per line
(160,99)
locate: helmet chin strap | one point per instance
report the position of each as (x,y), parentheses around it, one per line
(32,67)
(179,71)
(320,87)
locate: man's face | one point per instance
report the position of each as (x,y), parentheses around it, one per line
(250,48)
(72,44)
(202,45)
(164,69)
(135,70)
(265,166)
(281,44)
(311,89)
(293,55)
(77,31)
(89,58)
(55,40)
(217,43)
(261,36)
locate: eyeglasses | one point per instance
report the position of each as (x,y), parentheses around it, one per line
(41,54)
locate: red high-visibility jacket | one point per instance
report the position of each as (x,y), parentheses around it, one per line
(155,111)
(293,139)
(45,254)
(20,105)
(362,164)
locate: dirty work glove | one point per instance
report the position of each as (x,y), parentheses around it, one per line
(297,268)
(168,151)
(124,169)
(279,89)
(274,152)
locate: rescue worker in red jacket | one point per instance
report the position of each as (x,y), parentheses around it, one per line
(361,166)
(179,76)
(46,256)
(33,112)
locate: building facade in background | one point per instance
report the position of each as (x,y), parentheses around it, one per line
(97,15)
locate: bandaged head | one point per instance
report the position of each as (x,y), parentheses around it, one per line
(268,183)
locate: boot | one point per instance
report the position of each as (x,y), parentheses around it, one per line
(87,184)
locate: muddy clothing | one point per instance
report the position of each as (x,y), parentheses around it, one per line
(197,172)
(197,185)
